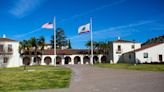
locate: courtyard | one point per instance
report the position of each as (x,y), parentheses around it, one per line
(86,78)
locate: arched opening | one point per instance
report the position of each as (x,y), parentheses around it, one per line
(95,59)
(37,60)
(67,60)
(26,60)
(58,60)
(47,60)
(86,60)
(103,59)
(77,60)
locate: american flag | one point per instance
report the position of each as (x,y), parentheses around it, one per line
(48,25)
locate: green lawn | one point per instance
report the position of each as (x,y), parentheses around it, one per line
(39,77)
(145,67)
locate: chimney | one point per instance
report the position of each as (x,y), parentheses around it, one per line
(4,36)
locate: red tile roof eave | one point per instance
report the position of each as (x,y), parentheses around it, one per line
(7,40)
(64,52)
(124,41)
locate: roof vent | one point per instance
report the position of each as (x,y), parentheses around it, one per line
(4,36)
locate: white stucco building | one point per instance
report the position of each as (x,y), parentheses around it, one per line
(119,47)
(147,54)
(9,55)
(120,51)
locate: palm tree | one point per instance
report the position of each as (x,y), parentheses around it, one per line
(24,48)
(88,44)
(37,45)
(41,43)
(101,47)
(34,43)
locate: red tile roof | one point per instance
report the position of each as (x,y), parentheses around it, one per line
(146,47)
(7,40)
(66,51)
(123,41)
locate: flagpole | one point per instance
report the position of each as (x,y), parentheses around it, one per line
(91,41)
(54,23)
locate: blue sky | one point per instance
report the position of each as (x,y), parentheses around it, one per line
(129,19)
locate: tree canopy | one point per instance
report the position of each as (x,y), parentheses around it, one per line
(61,40)
(154,40)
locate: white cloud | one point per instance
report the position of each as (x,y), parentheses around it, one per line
(28,33)
(23,8)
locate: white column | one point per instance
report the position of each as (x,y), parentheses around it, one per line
(62,60)
(42,61)
(32,61)
(53,60)
(81,60)
(72,60)
(99,59)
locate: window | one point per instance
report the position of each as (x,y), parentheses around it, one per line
(145,55)
(5,60)
(130,56)
(132,46)
(9,48)
(1,48)
(119,47)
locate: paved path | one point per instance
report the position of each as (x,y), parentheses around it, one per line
(93,79)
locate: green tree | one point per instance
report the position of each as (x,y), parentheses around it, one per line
(99,47)
(69,44)
(41,43)
(26,47)
(60,39)
(95,44)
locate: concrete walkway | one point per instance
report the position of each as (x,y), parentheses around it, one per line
(93,79)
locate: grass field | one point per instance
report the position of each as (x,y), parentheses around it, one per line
(144,67)
(37,77)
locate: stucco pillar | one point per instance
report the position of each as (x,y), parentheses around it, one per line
(62,60)
(32,61)
(72,60)
(81,59)
(53,60)
(42,61)
(99,59)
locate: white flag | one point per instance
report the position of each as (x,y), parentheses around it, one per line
(84,28)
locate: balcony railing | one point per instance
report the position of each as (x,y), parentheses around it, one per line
(7,51)
(119,51)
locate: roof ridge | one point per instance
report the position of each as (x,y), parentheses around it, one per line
(7,39)
(129,41)
(146,47)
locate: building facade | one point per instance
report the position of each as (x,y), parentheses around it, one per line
(147,54)
(119,47)
(120,51)
(9,55)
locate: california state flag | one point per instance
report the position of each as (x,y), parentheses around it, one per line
(84,28)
